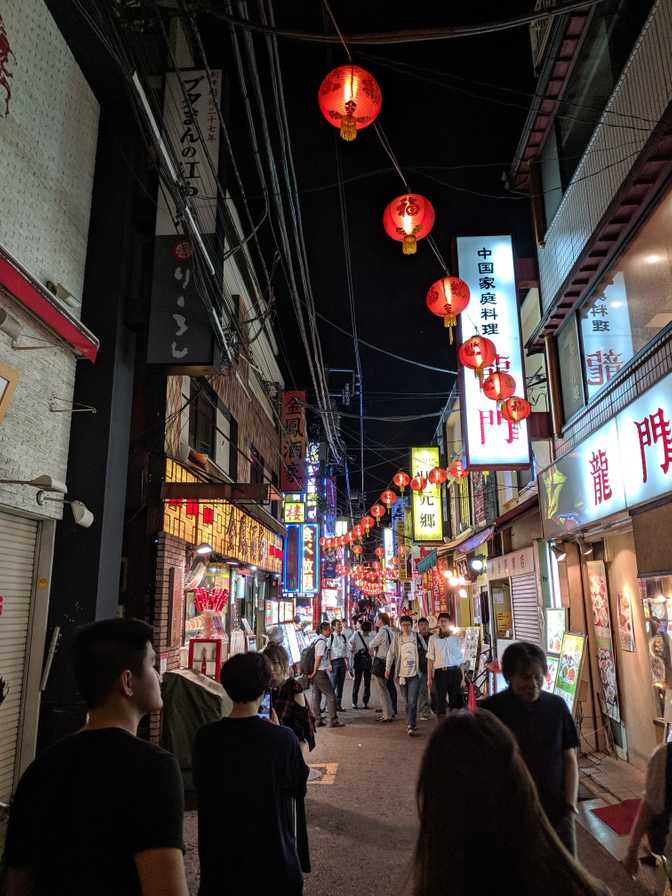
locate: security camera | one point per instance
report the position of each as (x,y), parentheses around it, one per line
(10,325)
(81,514)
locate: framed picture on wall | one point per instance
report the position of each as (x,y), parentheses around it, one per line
(205,656)
(9,377)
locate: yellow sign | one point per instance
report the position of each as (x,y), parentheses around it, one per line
(226,528)
(427,510)
(293,512)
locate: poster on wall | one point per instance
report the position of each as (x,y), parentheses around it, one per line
(556,623)
(568,673)
(606,662)
(552,663)
(626,630)
(470,646)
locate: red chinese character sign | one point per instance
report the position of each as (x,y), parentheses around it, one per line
(293,456)
(645,436)
(492,440)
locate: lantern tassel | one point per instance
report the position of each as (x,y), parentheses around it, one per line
(348,128)
(450,320)
(409,244)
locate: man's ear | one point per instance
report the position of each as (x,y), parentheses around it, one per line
(126,681)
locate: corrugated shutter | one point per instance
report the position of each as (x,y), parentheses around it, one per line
(525,604)
(18,538)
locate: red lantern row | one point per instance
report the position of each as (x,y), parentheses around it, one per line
(447,298)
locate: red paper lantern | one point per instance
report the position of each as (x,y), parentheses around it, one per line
(457,470)
(516,409)
(401,550)
(323,542)
(401,480)
(350,99)
(499,386)
(408,219)
(380,551)
(388,497)
(447,298)
(348,537)
(368,523)
(330,544)
(477,353)
(358,531)
(377,511)
(418,483)
(357,550)
(437,476)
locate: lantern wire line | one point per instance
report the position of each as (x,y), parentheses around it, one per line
(338,30)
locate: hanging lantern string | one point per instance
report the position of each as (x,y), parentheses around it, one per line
(385,143)
(338,30)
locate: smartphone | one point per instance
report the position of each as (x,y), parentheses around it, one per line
(265,708)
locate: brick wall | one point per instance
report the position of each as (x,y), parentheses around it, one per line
(170,552)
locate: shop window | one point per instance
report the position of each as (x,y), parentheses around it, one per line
(256,466)
(631,304)
(657,597)
(571,380)
(203,418)
(501,609)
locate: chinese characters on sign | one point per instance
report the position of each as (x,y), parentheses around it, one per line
(486,264)
(312,480)
(606,335)
(427,512)
(293,512)
(293,454)
(309,566)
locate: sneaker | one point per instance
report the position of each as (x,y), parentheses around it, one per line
(340,709)
(354,706)
(411,732)
(381,719)
(337,725)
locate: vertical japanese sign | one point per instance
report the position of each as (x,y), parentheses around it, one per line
(309,560)
(312,481)
(292,567)
(427,515)
(293,449)
(180,331)
(599,597)
(486,264)
(606,335)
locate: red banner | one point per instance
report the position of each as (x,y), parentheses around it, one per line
(294,442)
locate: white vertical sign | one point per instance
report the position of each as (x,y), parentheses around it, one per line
(486,265)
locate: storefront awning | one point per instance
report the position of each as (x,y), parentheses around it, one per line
(506,519)
(470,542)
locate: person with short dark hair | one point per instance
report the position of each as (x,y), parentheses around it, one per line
(445,662)
(101,811)
(361,661)
(546,734)
(339,654)
(320,680)
(403,665)
(379,648)
(424,705)
(251,781)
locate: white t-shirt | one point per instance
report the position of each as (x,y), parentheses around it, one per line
(408,650)
(321,650)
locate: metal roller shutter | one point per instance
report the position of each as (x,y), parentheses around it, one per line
(525,604)
(18,539)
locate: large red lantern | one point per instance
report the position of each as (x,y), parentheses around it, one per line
(447,298)
(408,219)
(358,531)
(418,483)
(516,409)
(377,511)
(499,386)
(437,476)
(350,99)
(477,352)
(367,523)
(401,480)
(388,497)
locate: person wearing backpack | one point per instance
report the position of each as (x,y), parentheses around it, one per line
(379,648)
(362,662)
(403,665)
(319,677)
(339,654)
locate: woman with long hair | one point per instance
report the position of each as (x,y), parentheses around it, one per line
(482,828)
(288,699)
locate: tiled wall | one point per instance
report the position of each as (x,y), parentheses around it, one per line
(641,96)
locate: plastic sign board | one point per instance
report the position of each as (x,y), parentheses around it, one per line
(624,463)
(486,265)
(293,512)
(427,512)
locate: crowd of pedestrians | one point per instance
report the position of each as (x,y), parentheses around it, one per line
(102,810)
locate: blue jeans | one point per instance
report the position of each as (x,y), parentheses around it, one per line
(411,691)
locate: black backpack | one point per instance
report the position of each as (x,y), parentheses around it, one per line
(307,662)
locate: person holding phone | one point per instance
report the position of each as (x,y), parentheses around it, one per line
(244,761)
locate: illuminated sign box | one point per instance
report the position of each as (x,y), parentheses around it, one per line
(427,514)
(486,265)
(293,512)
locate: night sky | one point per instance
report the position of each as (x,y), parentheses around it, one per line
(464,124)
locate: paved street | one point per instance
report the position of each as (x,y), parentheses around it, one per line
(362,814)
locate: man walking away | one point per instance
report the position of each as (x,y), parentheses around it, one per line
(101,811)
(546,734)
(362,662)
(403,664)
(255,765)
(339,651)
(445,659)
(320,679)
(379,648)
(424,706)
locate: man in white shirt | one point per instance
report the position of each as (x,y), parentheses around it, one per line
(445,661)
(403,665)
(320,678)
(379,648)
(339,652)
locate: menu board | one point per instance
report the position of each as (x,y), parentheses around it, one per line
(556,623)
(552,663)
(606,662)
(626,630)
(569,668)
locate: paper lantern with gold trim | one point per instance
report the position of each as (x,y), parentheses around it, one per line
(447,298)
(350,99)
(407,219)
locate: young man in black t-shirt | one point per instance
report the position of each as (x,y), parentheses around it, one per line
(546,734)
(101,811)
(251,782)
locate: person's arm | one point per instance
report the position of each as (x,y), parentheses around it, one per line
(375,643)
(652,804)
(19,882)
(430,662)
(391,658)
(161,872)
(645,817)
(318,659)
(299,698)
(571,779)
